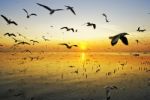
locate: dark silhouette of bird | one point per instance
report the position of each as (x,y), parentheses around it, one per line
(141,30)
(68,46)
(91,24)
(68,29)
(121,36)
(48,8)
(45,39)
(105,17)
(71,9)
(23,43)
(34,41)
(29,15)
(9,20)
(10,34)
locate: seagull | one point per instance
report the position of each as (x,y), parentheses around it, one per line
(29,15)
(45,38)
(68,29)
(105,17)
(23,43)
(27,51)
(91,24)
(34,41)
(68,46)
(71,9)
(9,20)
(141,30)
(114,39)
(48,8)
(10,34)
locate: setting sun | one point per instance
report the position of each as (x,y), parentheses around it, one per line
(83,46)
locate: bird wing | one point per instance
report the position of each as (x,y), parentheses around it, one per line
(64,44)
(46,7)
(6,19)
(27,43)
(75,45)
(64,28)
(94,26)
(13,35)
(25,11)
(124,40)
(33,14)
(13,22)
(57,9)
(114,40)
(6,34)
(73,11)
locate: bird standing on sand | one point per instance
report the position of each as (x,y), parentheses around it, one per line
(121,36)
(71,9)
(29,15)
(48,8)
(9,20)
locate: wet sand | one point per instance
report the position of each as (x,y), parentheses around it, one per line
(74,76)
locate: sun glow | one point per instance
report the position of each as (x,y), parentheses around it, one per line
(83,46)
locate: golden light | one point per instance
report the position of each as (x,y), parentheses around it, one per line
(83,46)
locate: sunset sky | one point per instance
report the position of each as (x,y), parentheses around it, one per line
(124,16)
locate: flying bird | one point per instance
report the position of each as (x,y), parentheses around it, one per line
(71,9)
(23,43)
(29,15)
(10,34)
(141,30)
(33,41)
(68,46)
(16,40)
(137,41)
(91,24)
(105,17)
(68,29)
(48,8)
(9,20)
(121,36)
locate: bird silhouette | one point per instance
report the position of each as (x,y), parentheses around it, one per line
(68,29)
(48,8)
(29,15)
(34,41)
(114,39)
(9,20)
(68,46)
(137,41)
(27,51)
(91,24)
(23,43)
(10,34)
(141,30)
(105,17)
(71,9)
(45,38)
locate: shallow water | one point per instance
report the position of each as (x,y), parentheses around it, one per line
(74,76)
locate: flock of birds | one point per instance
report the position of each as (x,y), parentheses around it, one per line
(114,39)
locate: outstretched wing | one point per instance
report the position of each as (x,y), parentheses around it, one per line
(94,26)
(25,11)
(46,7)
(33,14)
(58,9)
(124,40)
(75,45)
(73,11)
(114,40)
(65,44)
(6,19)
(64,28)
(13,22)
